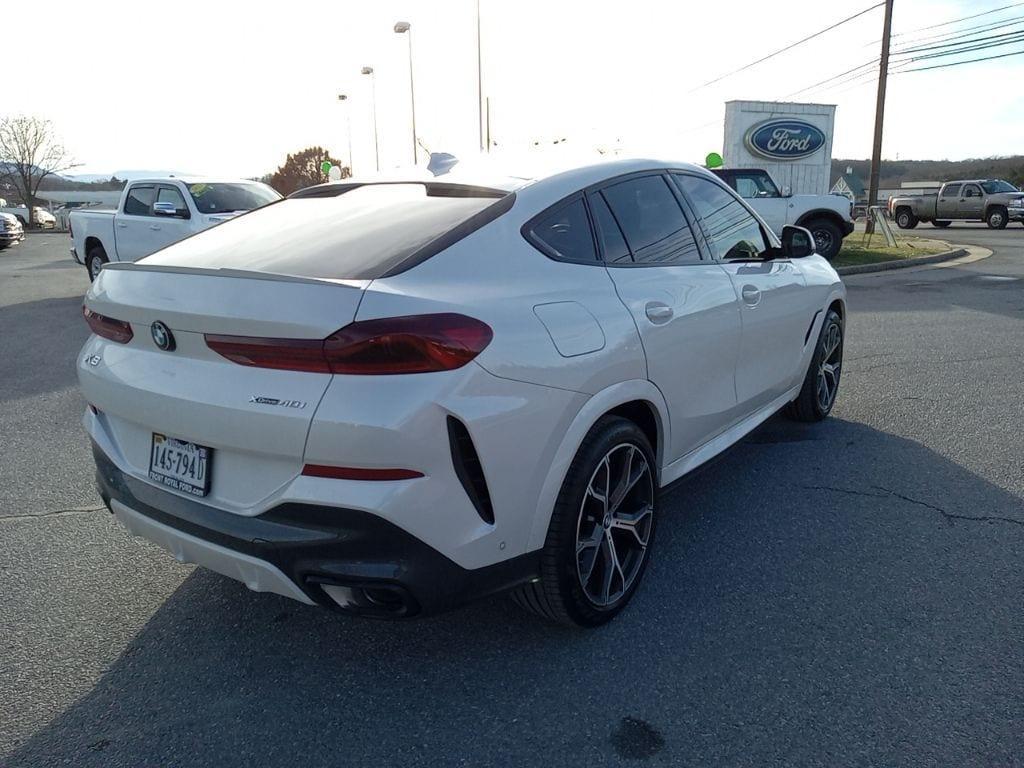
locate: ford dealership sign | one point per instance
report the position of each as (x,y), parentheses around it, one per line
(785,139)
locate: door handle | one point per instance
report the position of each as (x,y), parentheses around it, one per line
(121,224)
(155,227)
(751,295)
(658,313)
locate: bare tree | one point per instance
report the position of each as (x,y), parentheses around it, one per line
(29,152)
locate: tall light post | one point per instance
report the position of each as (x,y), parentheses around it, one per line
(403,27)
(479,80)
(373,97)
(343,97)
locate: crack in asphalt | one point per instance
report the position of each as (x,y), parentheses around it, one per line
(52,513)
(887,493)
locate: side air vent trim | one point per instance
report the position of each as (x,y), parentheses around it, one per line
(468,469)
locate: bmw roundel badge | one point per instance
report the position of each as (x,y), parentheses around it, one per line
(162,336)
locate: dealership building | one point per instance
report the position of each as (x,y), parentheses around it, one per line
(792,141)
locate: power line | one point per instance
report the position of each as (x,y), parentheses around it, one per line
(871,63)
(962,18)
(969,49)
(972,41)
(788,47)
(965,31)
(958,63)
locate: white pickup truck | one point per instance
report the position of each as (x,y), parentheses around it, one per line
(828,217)
(153,213)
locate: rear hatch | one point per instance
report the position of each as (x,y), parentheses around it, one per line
(254,420)
(291,271)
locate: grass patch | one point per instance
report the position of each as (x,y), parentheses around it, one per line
(854,251)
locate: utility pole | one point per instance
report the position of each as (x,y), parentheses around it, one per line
(876,151)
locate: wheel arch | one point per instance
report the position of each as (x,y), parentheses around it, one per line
(91,242)
(638,400)
(821,213)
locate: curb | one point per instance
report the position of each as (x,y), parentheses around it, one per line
(884,266)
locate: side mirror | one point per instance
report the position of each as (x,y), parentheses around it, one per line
(797,242)
(168,209)
(787,191)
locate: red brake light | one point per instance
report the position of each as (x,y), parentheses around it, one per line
(108,327)
(393,345)
(284,354)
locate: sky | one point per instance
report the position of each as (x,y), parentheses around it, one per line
(229,88)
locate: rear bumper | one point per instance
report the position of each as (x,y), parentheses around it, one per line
(339,558)
(74,255)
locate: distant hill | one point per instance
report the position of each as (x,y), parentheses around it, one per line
(894,172)
(129,175)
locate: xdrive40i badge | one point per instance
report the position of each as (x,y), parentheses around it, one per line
(259,400)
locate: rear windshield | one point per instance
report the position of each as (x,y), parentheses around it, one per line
(218,197)
(362,234)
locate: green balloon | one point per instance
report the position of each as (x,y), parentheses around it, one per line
(325,166)
(713,160)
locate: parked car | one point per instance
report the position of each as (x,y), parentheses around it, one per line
(390,398)
(11,231)
(20,212)
(828,217)
(43,219)
(153,213)
(993,201)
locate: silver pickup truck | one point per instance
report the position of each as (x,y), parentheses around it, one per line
(990,200)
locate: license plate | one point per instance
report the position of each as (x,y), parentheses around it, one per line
(180,465)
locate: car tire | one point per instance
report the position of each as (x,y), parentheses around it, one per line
(828,238)
(95,260)
(826,365)
(905,219)
(996,217)
(941,224)
(580,584)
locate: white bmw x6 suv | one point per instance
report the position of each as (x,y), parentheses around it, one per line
(391,398)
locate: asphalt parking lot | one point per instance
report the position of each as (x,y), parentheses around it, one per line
(849,593)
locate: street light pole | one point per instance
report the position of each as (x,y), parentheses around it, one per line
(479,78)
(876,151)
(373,97)
(343,97)
(403,27)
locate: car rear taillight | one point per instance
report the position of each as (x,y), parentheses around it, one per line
(108,327)
(392,345)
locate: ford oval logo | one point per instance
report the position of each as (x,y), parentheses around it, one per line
(785,139)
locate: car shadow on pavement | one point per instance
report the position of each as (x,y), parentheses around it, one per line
(26,366)
(821,594)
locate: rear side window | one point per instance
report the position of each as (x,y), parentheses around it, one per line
(612,243)
(139,201)
(733,232)
(652,221)
(363,234)
(951,190)
(565,233)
